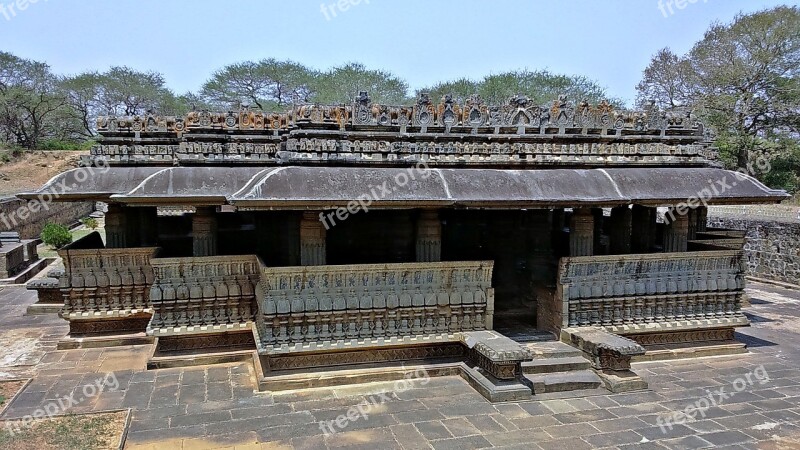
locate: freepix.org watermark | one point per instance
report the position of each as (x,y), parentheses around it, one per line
(718,187)
(376,193)
(331,10)
(63,404)
(363,409)
(668,7)
(713,399)
(43,200)
(11,9)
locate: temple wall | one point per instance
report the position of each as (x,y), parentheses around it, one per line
(30,227)
(773,244)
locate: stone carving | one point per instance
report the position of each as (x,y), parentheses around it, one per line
(207,294)
(657,288)
(300,305)
(519,128)
(106,285)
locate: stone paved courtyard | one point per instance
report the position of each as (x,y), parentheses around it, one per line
(217,406)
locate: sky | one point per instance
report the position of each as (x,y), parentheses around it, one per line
(422,41)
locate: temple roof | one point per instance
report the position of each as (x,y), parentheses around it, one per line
(300,187)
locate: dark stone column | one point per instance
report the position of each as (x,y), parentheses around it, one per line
(148,226)
(702,219)
(621,226)
(692,224)
(644,223)
(676,232)
(313,248)
(581,233)
(204,232)
(429,236)
(540,243)
(116,232)
(597,213)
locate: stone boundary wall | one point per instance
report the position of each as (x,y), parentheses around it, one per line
(773,239)
(31,226)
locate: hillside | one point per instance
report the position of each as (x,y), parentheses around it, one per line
(34,168)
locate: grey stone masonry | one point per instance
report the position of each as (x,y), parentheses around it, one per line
(772,249)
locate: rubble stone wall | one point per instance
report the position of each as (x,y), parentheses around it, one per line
(29,225)
(772,247)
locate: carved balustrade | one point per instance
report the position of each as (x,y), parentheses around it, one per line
(613,291)
(101,283)
(301,305)
(200,295)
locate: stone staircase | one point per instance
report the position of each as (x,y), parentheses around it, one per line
(558,367)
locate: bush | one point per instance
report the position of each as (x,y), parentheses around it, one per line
(55,144)
(56,235)
(90,222)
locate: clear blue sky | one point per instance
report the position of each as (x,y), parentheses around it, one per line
(422,41)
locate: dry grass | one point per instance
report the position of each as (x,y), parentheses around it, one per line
(71,432)
(7,391)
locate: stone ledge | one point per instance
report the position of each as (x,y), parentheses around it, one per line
(659,327)
(357,344)
(100,315)
(200,329)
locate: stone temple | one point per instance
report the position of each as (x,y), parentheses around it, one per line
(527,248)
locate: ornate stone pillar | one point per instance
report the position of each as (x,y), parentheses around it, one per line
(204,231)
(429,236)
(620,230)
(702,219)
(116,231)
(313,250)
(644,223)
(581,233)
(676,232)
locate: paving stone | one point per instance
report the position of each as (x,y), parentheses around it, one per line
(585,416)
(516,437)
(571,430)
(409,437)
(418,416)
(535,422)
(486,424)
(566,443)
(433,430)
(200,419)
(614,439)
(460,427)
(687,443)
(726,437)
(472,442)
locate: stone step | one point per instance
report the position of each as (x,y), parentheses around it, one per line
(552,349)
(552,365)
(564,381)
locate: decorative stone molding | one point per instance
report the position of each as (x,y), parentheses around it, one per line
(636,289)
(446,132)
(103,284)
(208,295)
(496,354)
(606,351)
(300,305)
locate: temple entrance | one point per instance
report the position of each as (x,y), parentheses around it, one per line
(521,245)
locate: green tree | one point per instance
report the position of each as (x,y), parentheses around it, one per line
(541,86)
(743,78)
(32,106)
(340,85)
(268,84)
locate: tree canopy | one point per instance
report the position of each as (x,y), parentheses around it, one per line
(743,79)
